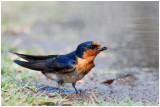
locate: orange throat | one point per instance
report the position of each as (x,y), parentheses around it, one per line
(86,63)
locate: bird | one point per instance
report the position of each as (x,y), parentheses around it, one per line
(67,68)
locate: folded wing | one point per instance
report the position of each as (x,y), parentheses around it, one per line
(34,57)
(50,63)
(34,65)
(60,64)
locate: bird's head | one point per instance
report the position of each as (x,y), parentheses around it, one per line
(89,49)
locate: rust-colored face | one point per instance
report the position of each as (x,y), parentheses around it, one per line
(86,63)
(93,50)
(97,44)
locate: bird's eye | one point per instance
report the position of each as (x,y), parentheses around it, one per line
(92,46)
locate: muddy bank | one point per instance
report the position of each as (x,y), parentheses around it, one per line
(134,83)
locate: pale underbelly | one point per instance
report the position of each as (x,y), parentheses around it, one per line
(70,77)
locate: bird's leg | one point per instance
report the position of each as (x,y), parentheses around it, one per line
(60,82)
(73,84)
(60,92)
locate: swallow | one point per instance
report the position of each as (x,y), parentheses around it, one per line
(68,68)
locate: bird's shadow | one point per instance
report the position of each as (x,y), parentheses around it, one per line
(49,89)
(55,90)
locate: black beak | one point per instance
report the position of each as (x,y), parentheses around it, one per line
(102,49)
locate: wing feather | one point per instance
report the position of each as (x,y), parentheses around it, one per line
(50,63)
(61,64)
(34,57)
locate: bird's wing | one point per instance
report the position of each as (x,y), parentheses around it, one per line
(52,63)
(34,65)
(34,57)
(61,64)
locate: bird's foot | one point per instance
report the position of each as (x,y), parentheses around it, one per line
(76,92)
(81,92)
(60,92)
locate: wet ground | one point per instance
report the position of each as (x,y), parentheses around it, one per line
(135,83)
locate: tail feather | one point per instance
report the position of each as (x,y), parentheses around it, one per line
(34,57)
(36,65)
